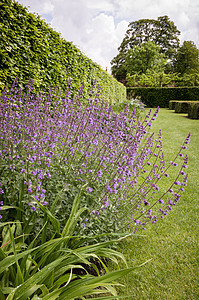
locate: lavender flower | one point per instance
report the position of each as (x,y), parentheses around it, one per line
(51,143)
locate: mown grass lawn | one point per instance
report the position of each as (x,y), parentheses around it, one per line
(173,243)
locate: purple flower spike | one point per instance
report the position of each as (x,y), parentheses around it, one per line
(34,172)
(161,201)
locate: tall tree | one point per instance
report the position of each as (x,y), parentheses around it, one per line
(187,59)
(162,32)
(139,59)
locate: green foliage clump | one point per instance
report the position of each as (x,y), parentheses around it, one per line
(157,96)
(62,268)
(160,79)
(187,59)
(30,48)
(150,79)
(187,80)
(140,59)
(132,104)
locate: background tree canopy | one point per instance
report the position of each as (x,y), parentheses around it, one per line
(150,55)
(187,59)
(162,32)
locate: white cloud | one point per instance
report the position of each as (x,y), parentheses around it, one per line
(48,7)
(39,6)
(103,41)
(92,31)
(98,27)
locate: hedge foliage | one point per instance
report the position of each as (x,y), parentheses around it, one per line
(30,48)
(153,97)
(193,110)
(172,104)
(182,106)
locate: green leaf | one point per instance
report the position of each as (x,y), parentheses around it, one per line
(55,201)
(38,278)
(5,207)
(88,285)
(2,297)
(11,259)
(111,297)
(3,224)
(53,296)
(31,291)
(53,220)
(2,254)
(74,216)
(19,276)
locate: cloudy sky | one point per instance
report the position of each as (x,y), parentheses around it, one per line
(97,27)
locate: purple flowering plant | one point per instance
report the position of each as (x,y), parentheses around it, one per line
(53,145)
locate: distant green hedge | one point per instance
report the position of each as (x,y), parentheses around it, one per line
(153,97)
(30,48)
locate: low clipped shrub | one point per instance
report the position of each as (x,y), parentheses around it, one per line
(189,107)
(193,110)
(181,107)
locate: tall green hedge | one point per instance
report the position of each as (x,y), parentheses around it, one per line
(29,47)
(153,97)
